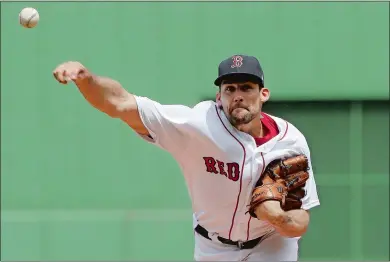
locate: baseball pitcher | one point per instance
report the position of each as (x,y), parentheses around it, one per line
(248,173)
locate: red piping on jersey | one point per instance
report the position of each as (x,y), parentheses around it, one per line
(250,218)
(285,132)
(242,172)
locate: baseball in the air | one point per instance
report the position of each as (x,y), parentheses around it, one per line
(28,17)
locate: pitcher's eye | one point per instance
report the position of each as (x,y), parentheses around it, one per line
(246,87)
(230,88)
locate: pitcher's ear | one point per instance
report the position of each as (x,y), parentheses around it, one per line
(265,94)
(218,99)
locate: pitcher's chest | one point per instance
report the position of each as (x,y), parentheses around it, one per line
(227,165)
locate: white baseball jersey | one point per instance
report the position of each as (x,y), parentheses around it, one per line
(220,164)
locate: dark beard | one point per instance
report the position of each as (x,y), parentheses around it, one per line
(241,121)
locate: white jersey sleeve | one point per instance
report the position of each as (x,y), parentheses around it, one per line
(167,124)
(311,198)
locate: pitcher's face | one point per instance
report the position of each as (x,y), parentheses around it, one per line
(242,102)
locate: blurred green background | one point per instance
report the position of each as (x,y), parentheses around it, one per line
(77,185)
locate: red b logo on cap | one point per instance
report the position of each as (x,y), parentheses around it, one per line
(237,61)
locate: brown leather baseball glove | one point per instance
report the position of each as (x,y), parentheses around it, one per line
(283,180)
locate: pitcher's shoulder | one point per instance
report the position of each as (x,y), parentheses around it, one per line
(204,108)
(288,130)
(205,105)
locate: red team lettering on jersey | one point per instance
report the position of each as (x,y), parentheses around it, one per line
(232,170)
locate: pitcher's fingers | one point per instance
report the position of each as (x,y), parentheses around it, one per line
(65,77)
(58,76)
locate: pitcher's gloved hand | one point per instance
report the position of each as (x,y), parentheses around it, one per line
(283,180)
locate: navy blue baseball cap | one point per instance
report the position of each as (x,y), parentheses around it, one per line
(240,67)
